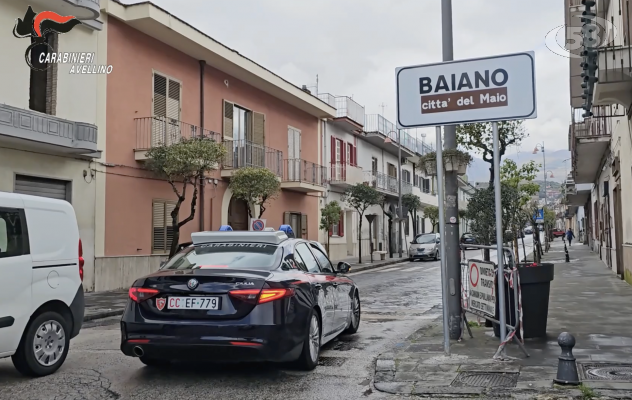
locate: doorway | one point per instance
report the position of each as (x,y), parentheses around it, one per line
(238,214)
(618,232)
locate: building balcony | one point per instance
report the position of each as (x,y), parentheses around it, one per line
(425,195)
(157,131)
(349,114)
(244,153)
(81,9)
(589,139)
(303,176)
(615,76)
(386,184)
(382,133)
(345,175)
(32,130)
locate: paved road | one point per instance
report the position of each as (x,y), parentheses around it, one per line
(397,300)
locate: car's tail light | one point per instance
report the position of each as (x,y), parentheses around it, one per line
(81,260)
(141,294)
(256,296)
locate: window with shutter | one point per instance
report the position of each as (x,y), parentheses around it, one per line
(166,110)
(304,226)
(162,229)
(348,153)
(335,171)
(258,138)
(341,224)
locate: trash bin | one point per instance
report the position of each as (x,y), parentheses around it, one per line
(535,288)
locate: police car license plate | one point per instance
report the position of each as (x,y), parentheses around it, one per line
(193,303)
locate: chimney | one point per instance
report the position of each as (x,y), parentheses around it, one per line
(305,89)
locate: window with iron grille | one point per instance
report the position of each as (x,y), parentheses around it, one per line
(43,84)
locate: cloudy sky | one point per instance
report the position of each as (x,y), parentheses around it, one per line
(355,45)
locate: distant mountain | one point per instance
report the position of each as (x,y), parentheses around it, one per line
(479,170)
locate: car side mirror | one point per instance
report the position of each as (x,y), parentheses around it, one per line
(438,241)
(344,267)
(163,263)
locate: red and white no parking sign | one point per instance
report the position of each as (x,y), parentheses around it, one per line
(474,275)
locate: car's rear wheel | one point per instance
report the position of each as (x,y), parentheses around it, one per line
(308,359)
(154,362)
(355,315)
(44,345)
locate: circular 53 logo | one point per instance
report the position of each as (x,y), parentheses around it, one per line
(568,41)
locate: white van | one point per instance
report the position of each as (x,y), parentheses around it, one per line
(41,274)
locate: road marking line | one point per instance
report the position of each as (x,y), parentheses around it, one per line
(432,269)
(390,269)
(378,269)
(411,269)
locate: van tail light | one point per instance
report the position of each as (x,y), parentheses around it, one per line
(256,296)
(139,294)
(81,260)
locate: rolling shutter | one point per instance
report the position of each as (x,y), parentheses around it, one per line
(286,218)
(51,188)
(162,231)
(258,128)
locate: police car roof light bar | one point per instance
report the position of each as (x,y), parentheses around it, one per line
(288,231)
(238,236)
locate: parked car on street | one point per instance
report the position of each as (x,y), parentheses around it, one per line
(528,230)
(425,246)
(558,233)
(467,239)
(237,296)
(41,290)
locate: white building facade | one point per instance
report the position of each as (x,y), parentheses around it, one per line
(51,120)
(359,148)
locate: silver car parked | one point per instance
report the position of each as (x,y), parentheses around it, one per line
(425,246)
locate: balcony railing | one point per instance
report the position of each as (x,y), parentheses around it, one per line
(388,183)
(375,123)
(297,170)
(158,131)
(346,107)
(600,124)
(328,98)
(243,153)
(345,174)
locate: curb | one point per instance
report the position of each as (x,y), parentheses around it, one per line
(103,314)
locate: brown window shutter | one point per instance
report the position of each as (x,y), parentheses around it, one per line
(258,128)
(286,218)
(341,224)
(169,207)
(160,96)
(304,226)
(228,120)
(158,240)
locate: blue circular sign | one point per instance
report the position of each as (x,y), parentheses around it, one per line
(258,225)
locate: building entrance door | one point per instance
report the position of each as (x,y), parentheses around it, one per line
(238,214)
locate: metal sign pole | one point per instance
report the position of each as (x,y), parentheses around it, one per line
(499,235)
(444,272)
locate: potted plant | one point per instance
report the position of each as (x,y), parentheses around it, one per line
(428,163)
(456,160)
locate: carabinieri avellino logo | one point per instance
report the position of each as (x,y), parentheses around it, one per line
(37,25)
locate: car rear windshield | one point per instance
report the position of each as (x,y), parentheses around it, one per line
(425,239)
(227,255)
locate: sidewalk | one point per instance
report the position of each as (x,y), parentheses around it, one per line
(587,300)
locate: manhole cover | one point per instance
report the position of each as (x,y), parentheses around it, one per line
(331,361)
(606,372)
(486,379)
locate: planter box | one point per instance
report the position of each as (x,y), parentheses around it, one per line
(431,167)
(460,169)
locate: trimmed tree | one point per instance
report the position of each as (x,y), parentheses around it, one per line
(432,213)
(413,204)
(255,186)
(478,137)
(330,214)
(360,197)
(182,164)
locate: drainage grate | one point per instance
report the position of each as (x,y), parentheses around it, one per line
(331,361)
(486,379)
(605,372)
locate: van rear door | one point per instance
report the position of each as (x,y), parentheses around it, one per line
(15,273)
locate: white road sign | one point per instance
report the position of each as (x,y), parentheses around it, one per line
(481,287)
(498,88)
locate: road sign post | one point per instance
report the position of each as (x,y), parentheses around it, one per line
(489,89)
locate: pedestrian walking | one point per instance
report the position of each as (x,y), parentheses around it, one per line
(569,236)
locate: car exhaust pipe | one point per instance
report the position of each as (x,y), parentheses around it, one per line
(138,351)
